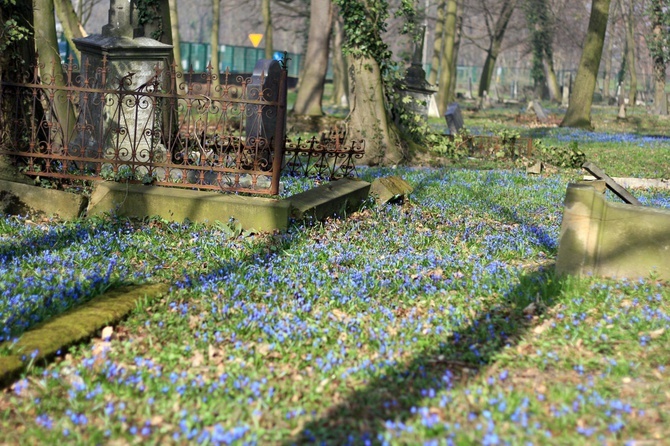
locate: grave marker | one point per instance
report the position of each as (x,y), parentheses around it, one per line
(454,118)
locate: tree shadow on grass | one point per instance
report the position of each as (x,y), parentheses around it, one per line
(458,358)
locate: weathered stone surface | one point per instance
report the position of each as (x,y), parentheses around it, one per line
(454,118)
(390,189)
(76,325)
(535,168)
(637,183)
(260,122)
(258,213)
(540,113)
(20,198)
(612,239)
(332,199)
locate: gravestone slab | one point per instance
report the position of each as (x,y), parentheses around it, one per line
(261,121)
(540,113)
(389,189)
(454,118)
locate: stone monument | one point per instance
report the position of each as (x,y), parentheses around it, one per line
(122,124)
(416,85)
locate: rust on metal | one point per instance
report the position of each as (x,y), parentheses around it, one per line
(327,158)
(178,129)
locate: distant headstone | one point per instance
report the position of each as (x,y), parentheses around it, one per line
(454,118)
(540,113)
(565,100)
(261,122)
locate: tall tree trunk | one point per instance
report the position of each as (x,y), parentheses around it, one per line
(581,99)
(457,45)
(214,43)
(607,79)
(368,118)
(46,42)
(267,23)
(174,31)
(340,84)
(494,46)
(659,56)
(72,27)
(15,66)
(552,81)
(627,14)
(438,43)
(310,94)
(446,60)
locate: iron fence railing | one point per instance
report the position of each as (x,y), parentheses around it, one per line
(327,157)
(177,129)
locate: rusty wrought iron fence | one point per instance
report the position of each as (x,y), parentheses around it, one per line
(327,157)
(178,129)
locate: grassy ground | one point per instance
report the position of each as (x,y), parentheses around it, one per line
(438,321)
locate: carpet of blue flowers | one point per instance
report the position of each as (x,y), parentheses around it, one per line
(435,321)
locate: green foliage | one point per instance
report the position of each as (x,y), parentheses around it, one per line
(659,44)
(148,13)
(11,30)
(364,24)
(539,23)
(454,147)
(561,156)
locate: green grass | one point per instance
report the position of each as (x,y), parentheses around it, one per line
(436,321)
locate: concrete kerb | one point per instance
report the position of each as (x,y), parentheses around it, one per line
(44,341)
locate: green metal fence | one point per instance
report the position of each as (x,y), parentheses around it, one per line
(239,59)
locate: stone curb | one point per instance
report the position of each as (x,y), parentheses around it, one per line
(75,325)
(336,198)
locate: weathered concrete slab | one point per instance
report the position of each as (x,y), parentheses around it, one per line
(390,189)
(258,213)
(615,240)
(74,326)
(19,198)
(336,198)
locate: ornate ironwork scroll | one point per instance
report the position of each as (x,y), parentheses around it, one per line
(327,157)
(178,129)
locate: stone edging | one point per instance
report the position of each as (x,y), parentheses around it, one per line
(75,325)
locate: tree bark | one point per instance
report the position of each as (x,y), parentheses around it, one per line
(607,79)
(494,46)
(267,22)
(340,84)
(438,43)
(581,99)
(174,31)
(72,27)
(552,81)
(46,42)
(214,43)
(630,51)
(446,61)
(368,119)
(660,63)
(310,95)
(457,46)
